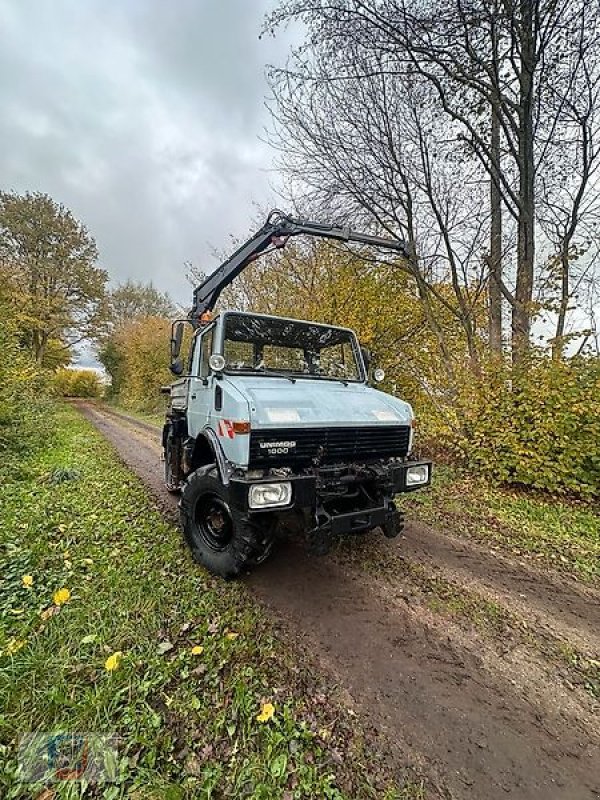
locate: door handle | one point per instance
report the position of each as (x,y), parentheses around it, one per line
(193,397)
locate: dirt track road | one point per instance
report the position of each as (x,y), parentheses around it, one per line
(484,716)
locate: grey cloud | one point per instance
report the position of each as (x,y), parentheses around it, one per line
(143,118)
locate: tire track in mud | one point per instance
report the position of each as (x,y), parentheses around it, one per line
(557,603)
(472,727)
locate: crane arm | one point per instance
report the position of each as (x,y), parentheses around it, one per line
(275,233)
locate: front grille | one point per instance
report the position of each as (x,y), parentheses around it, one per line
(301,446)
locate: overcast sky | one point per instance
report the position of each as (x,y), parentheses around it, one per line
(144,118)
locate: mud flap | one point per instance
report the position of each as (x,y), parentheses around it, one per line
(394,523)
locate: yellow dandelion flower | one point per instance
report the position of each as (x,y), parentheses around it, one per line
(61,597)
(112,662)
(27,581)
(197,650)
(267,711)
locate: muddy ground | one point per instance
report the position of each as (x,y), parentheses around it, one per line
(487,705)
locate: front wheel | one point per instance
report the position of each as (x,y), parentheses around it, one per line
(225,540)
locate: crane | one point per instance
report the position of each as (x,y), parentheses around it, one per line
(274,234)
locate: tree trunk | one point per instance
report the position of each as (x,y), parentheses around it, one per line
(522,311)
(495,266)
(558,343)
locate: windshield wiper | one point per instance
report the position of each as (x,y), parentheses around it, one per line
(272,374)
(266,372)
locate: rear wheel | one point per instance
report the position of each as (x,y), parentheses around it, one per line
(225,540)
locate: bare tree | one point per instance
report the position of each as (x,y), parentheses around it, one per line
(514,62)
(358,143)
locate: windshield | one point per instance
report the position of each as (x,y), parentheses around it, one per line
(270,345)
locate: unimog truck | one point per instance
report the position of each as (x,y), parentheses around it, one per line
(272,424)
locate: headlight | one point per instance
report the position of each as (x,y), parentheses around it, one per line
(269,495)
(416,476)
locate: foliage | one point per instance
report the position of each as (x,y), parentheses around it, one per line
(52,257)
(76,383)
(178,665)
(130,307)
(541,430)
(131,300)
(136,358)
(24,418)
(110,356)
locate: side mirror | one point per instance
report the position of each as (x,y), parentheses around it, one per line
(176,338)
(177,367)
(367,357)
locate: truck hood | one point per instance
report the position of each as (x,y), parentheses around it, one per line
(279,403)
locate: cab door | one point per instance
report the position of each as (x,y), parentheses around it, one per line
(200,382)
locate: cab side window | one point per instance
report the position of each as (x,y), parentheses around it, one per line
(205,353)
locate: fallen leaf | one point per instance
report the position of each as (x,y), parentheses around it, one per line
(49,612)
(231,635)
(164,647)
(47,794)
(197,650)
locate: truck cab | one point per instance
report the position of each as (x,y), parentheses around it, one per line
(274,420)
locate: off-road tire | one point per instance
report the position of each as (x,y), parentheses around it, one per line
(245,541)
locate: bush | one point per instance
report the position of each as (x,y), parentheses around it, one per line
(539,429)
(25,416)
(136,356)
(76,383)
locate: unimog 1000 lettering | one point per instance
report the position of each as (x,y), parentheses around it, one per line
(274,420)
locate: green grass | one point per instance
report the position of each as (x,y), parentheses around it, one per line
(153,417)
(564,535)
(75,518)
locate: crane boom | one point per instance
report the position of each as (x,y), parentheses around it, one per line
(274,233)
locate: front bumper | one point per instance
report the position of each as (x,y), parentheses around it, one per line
(391,480)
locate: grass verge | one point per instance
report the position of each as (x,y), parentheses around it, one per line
(206,700)
(563,535)
(152,417)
